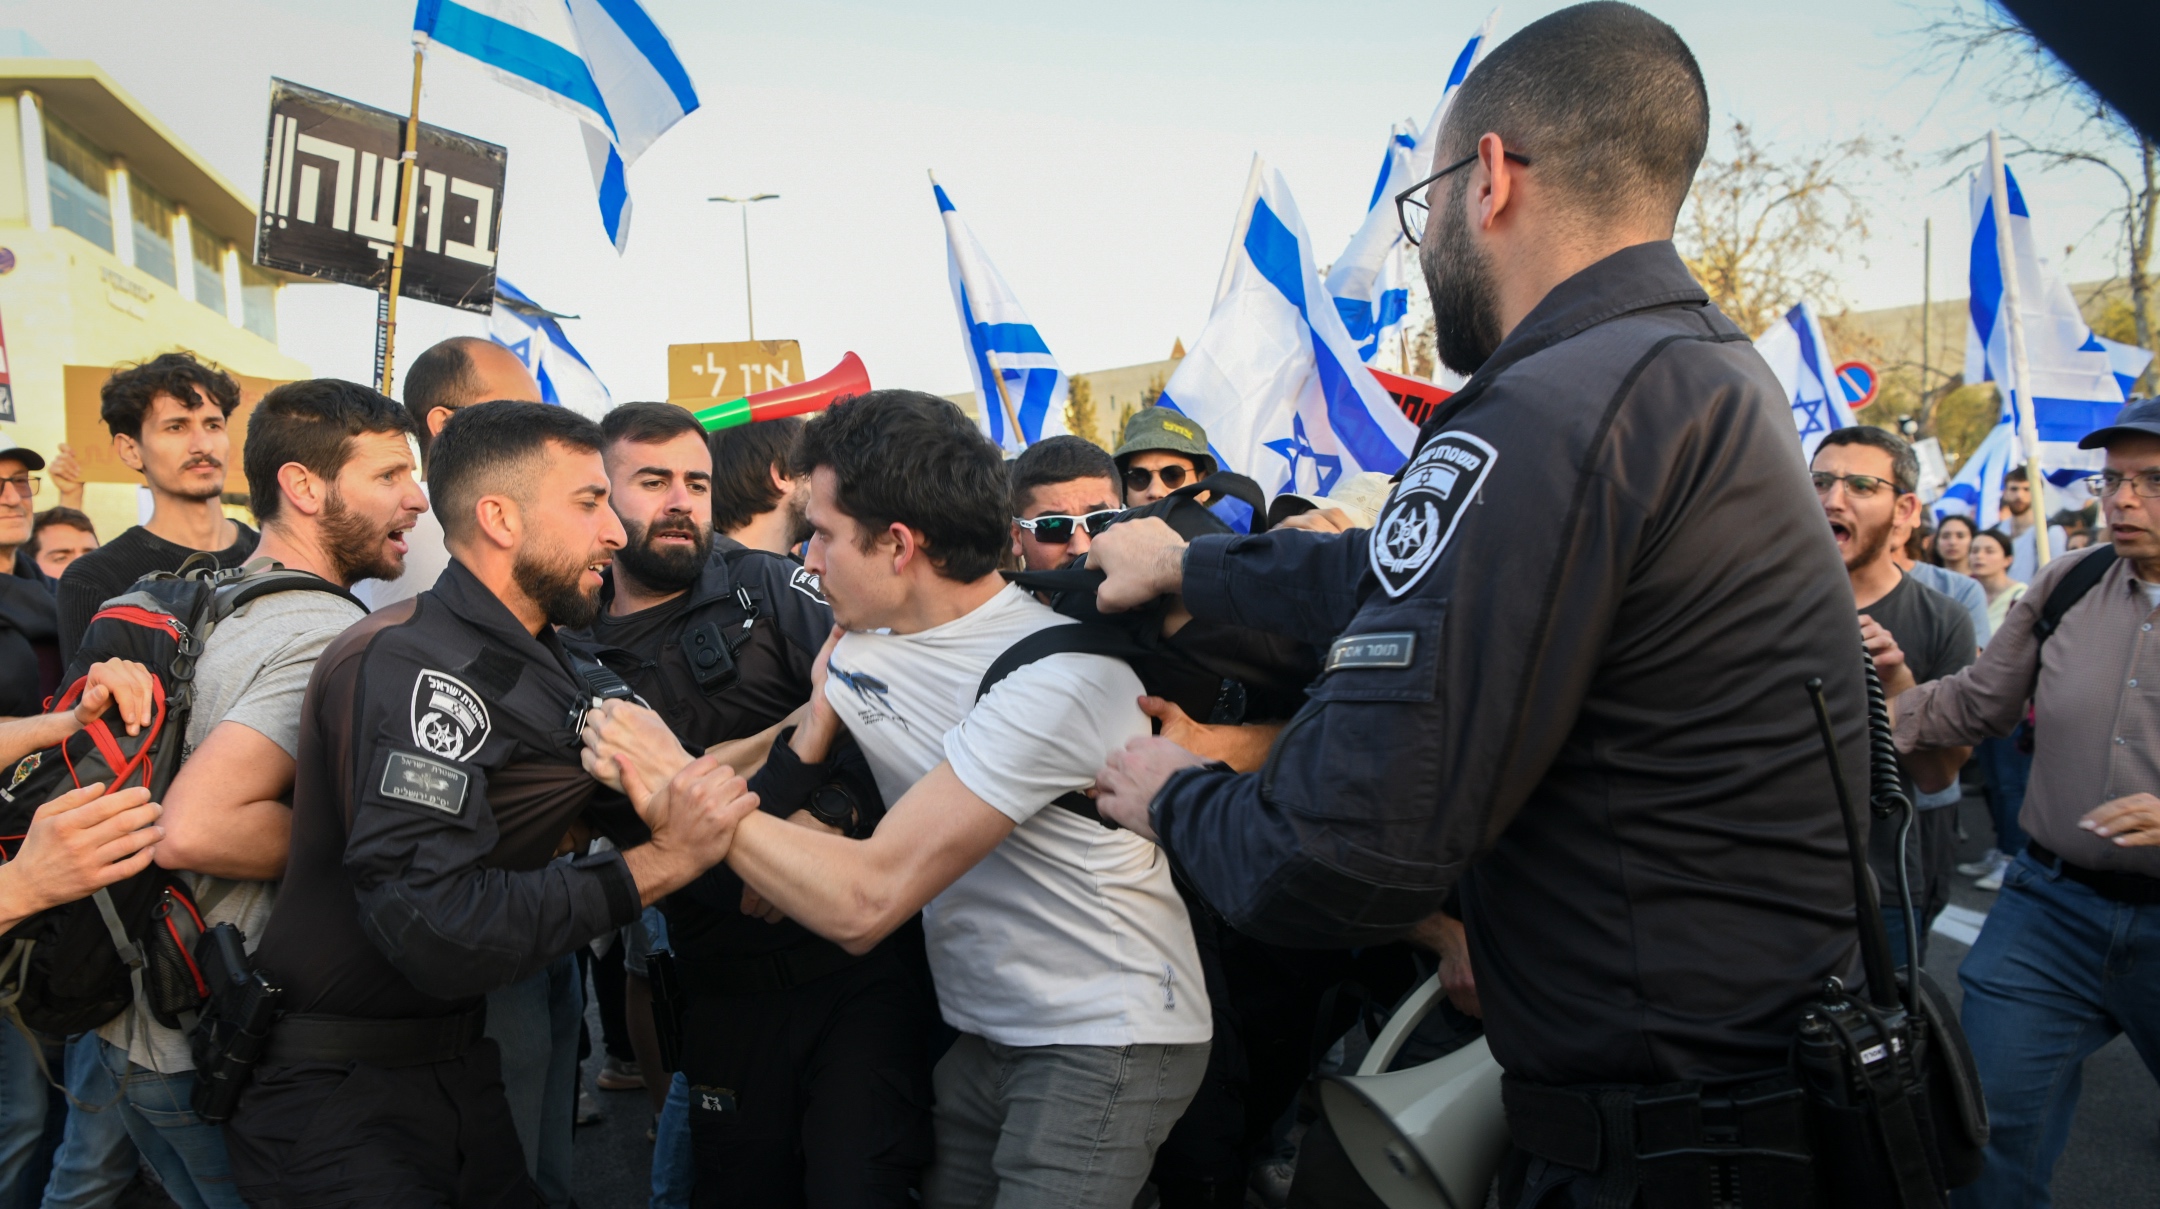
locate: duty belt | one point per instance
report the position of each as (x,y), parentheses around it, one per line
(765,973)
(1664,1140)
(2134,889)
(298,1039)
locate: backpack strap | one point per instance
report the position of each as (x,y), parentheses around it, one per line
(232,596)
(1078,639)
(2081,579)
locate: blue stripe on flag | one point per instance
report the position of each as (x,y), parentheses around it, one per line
(1035,403)
(1353,425)
(1387,161)
(614,197)
(1457,73)
(527,56)
(1986,279)
(2017,196)
(1233,512)
(652,44)
(944,203)
(2071,419)
(1008,338)
(1394,304)
(1357,317)
(1274,251)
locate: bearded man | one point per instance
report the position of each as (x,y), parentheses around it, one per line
(438,780)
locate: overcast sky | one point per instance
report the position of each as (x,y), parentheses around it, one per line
(1097,148)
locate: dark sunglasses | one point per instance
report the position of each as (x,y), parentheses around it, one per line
(1057,530)
(1410,208)
(1137,477)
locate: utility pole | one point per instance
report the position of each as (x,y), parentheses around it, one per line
(749,303)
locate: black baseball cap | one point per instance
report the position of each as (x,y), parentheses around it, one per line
(30,458)
(2142,417)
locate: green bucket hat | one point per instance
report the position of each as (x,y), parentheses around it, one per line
(1160,428)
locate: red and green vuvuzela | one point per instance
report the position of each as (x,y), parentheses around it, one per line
(844,380)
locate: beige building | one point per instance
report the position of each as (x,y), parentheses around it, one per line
(1114,394)
(117,242)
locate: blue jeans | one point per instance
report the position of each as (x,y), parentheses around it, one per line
(674,1165)
(2006,770)
(187,1152)
(96,1158)
(22,1114)
(2057,972)
(535,1025)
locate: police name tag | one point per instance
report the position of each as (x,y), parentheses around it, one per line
(1372,650)
(425,782)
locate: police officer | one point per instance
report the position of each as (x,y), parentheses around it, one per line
(808,1068)
(438,778)
(1565,671)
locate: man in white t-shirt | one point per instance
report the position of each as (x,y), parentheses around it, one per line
(330,477)
(1059,946)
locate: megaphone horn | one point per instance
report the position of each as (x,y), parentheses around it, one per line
(842,381)
(1430,1137)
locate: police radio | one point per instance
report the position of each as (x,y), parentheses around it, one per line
(234,1029)
(1894,1101)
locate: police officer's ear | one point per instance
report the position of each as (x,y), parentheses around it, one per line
(499,521)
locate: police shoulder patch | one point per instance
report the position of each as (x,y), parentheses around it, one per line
(805,581)
(448,718)
(425,782)
(1420,517)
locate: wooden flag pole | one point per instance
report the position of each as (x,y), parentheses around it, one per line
(408,177)
(998,376)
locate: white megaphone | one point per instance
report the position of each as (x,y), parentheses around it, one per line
(1430,1137)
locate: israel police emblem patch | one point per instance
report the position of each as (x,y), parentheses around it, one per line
(448,719)
(1420,517)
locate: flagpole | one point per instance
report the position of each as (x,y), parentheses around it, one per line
(998,376)
(2028,423)
(1237,229)
(408,177)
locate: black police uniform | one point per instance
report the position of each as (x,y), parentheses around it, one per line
(809,1068)
(437,775)
(1565,671)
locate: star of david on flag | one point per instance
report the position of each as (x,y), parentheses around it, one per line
(1800,357)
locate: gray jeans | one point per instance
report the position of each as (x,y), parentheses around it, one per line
(1054,1126)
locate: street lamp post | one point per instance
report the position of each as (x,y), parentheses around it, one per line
(749,307)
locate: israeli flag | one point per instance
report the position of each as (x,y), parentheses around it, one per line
(530,332)
(1370,281)
(2078,379)
(1976,492)
(1275,377)
(602,60)
(1800,357)
(1011,365)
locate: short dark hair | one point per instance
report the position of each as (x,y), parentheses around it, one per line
(2016,474)
(312,422)
(125,398)
(1904,463)
(2001,539)
(902,456)
(743,459)
(1605,99)
(73,518)
(443,376)
(1971,530)
(648,423)
(491,447)
(1058,460)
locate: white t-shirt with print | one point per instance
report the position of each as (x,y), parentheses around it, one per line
(1068,932)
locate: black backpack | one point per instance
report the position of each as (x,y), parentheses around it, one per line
(78,965)
(1217,673)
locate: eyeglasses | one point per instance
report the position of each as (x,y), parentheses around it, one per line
(1858,486)
(2145,483)
(1057,530)
(1138,477)
(1411,211)
(25,485)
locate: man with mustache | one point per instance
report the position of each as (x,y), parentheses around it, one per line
(167,418)
(804,1073)
(1565,669)
(330,477)
(438,779)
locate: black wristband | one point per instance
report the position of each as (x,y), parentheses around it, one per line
(785,783)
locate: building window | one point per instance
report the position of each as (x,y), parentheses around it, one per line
(153,216)
(258,302)
(209,268)
(79,176)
